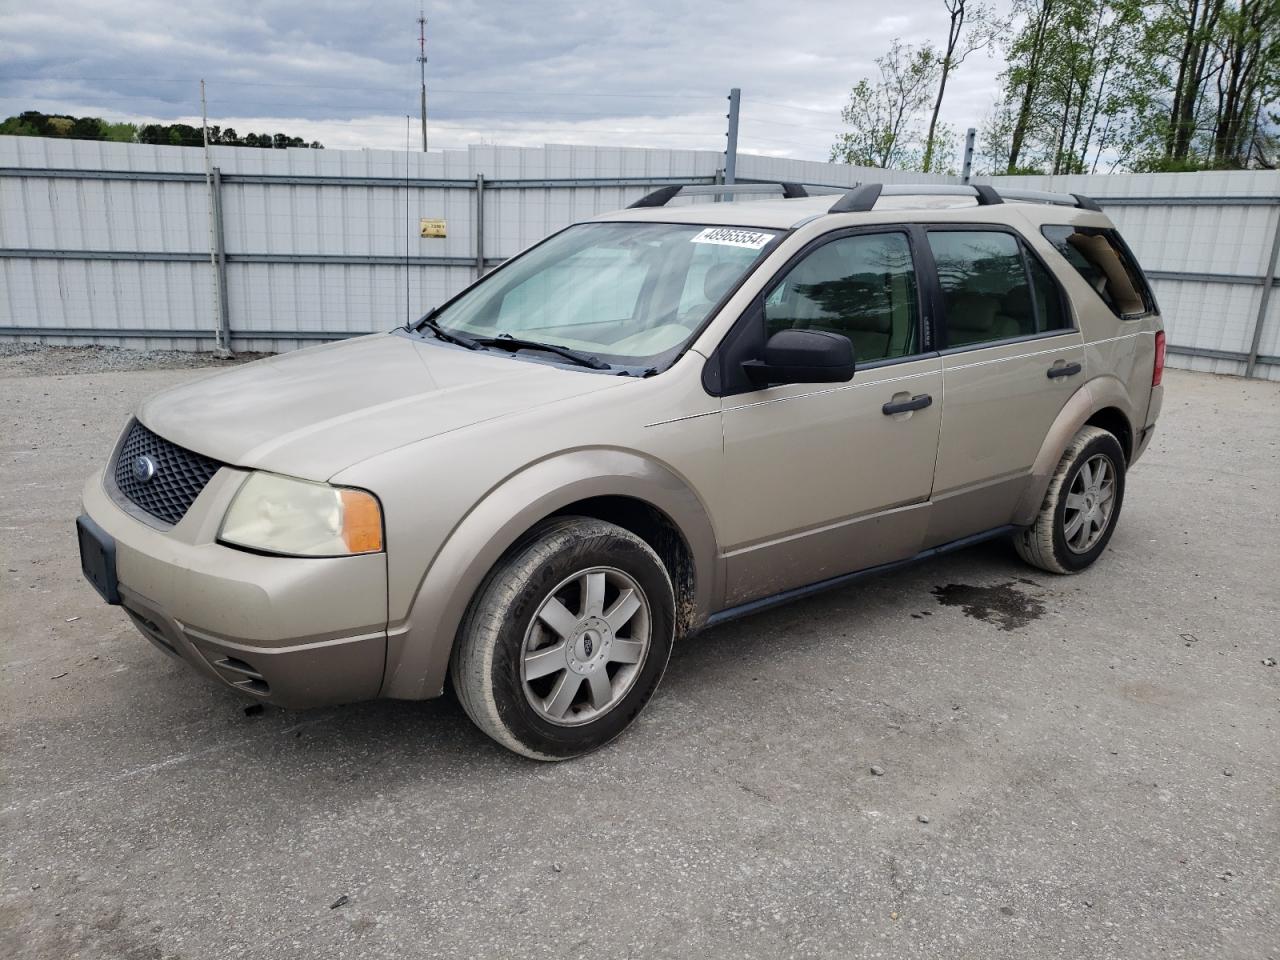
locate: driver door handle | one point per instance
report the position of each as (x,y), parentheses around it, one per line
(918,402)
(1064,370)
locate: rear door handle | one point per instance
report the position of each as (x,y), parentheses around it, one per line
(1066,370)
(918,402)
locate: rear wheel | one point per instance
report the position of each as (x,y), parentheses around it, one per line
(1080,507)
(567,639)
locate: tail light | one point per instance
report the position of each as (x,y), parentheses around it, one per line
(1157,374)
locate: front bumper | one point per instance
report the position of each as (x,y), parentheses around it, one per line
(300,632)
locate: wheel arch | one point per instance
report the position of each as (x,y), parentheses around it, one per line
(619,486)
(1102,402)
(1114,421)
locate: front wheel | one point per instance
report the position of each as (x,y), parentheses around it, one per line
(1080,507)
(566,640)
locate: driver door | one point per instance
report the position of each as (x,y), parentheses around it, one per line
(826,479)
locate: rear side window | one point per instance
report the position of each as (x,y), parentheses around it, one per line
(1049,312)
(1106,265)
(984,286)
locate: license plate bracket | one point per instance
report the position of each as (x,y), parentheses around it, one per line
(98,558)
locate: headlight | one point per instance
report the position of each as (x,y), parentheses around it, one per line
(297,517)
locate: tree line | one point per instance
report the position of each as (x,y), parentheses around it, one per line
(1089,86)
(32,123)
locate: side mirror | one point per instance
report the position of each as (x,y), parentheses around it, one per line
(802,356)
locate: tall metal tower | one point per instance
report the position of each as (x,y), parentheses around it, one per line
(422,63)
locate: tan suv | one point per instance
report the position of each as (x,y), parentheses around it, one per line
(645,424)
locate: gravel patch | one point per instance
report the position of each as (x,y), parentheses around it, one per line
(1067,739)
(38,360)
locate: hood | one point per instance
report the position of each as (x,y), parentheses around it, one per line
(313,412)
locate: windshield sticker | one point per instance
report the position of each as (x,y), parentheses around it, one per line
(733,237)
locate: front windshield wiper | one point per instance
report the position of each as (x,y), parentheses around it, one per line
(507,341)
(447,336)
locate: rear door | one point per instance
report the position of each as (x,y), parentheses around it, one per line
(824,479)
(1011,358)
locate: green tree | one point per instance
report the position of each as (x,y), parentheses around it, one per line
(1248,48)
(884,116)
(86,128)
(1207,81)
(120,132)
(32,123)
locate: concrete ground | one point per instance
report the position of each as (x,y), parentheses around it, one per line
(1071,767)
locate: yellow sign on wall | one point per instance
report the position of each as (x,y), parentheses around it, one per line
(431,228)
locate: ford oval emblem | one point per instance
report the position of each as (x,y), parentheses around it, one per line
(144,468)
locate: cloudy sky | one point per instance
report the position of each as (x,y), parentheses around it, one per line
(503,71)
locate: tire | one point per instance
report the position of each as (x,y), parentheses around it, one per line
(560,594)
(1051,543)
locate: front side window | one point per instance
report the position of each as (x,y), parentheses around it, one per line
(630,294)
(984,286)
(1100,257)
(861,286)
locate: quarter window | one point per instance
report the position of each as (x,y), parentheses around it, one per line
(1100,257)
(984,286)
(863,287)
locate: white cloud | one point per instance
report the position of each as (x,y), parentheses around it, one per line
(504,71)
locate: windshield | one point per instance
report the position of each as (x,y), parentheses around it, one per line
(630,294)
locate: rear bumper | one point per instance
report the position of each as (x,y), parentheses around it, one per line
(293,631)
(1143,440)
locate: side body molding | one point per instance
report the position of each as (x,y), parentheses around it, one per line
(418,648)
(1095,395)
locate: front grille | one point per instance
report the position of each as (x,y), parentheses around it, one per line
(176,481)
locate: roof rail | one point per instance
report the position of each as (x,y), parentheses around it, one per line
(663,195)
(864,196)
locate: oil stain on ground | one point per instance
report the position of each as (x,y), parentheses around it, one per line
(1004,604)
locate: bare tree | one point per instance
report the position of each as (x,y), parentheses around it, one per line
(973,27)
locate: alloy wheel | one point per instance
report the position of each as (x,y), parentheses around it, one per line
(585,646)
(1090,504)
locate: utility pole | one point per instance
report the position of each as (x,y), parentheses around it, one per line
(731,147)
(422,65)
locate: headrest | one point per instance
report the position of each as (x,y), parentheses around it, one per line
(868,309)
(971,311)
(1017,302)
(718,280)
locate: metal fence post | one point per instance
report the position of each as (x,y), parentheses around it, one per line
(223,339)
(969,137)
(479,225)
(731,146)
(1268,281)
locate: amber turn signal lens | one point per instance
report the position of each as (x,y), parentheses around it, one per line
(361,522)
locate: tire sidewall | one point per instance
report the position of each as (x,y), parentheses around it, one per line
(1110,447)
(573,553)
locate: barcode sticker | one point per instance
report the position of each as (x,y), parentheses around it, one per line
(733,237)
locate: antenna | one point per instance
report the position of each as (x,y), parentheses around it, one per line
(422,65)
